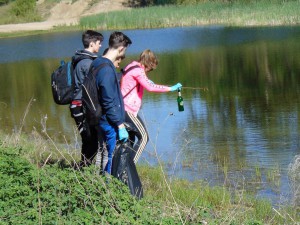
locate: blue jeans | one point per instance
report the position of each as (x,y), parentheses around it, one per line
(109,134)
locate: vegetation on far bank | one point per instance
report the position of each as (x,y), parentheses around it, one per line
(169,13)
(260,13)
(18,11)
(39,185)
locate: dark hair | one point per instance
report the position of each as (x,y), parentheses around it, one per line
(118,39)
(120,57)
(91,36)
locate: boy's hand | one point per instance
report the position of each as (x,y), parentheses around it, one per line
(123,134)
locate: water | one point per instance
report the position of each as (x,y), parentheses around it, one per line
(245,124)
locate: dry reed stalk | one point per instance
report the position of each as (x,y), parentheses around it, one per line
(163,173)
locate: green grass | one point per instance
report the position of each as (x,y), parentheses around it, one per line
(39,185)
(261,13)
(6,16)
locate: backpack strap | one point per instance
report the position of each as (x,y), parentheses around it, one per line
(124,72)
(95,70)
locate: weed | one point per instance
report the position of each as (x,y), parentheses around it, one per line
(257,172)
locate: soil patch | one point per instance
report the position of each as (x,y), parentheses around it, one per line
(66,13)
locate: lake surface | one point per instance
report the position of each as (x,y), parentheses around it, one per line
(241,92)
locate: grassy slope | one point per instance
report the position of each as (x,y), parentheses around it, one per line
(37,184)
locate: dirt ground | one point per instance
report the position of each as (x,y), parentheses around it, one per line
(65,13)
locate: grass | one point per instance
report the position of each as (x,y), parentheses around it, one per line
(174,201)
(294,174)
(39,185)
(254,13)
(260,13)
(6,16)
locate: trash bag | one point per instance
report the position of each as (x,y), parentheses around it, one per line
(124,169)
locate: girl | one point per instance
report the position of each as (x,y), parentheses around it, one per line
(133,84)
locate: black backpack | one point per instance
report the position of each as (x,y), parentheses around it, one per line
(124,169)
(91,106)
(90,102)
(63,81)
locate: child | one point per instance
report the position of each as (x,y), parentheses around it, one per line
(110,97)
(132,87)
(91,41)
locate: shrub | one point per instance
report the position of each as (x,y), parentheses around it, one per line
(3,2)
(50,195)
(23,8)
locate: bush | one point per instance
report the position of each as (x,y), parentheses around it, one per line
(50,195)
(4,2)
(23,8)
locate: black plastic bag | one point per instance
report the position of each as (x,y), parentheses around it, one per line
(124,169)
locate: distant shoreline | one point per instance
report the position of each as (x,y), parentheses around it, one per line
(205,14)
(36,26)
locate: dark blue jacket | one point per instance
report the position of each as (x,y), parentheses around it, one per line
(109,93)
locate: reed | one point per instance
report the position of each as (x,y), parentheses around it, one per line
(257,172)
(258,13)
(294,175)
(274,176)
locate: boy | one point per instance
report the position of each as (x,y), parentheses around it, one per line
(110,97)
(91,41)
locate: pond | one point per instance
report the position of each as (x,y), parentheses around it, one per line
(241,91)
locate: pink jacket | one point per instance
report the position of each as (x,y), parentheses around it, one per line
(137,80)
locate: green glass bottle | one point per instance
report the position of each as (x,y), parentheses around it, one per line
(180,101)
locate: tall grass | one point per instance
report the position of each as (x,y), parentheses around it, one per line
(236,14)
(294,175)
(195,202)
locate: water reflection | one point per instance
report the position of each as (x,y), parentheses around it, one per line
(247,121)
(55,45)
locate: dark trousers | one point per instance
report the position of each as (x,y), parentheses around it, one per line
(89,136)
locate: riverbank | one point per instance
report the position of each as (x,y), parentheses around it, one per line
(258,13)
(57,16)
(38,183)
(261,13)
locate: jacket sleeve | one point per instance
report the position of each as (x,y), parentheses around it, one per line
(108,89)
(148,85)
(81,70)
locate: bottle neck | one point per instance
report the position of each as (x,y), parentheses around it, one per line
(179,93)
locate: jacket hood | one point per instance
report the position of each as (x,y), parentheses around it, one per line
(79,53)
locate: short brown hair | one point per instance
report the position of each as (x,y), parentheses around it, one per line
(148,59)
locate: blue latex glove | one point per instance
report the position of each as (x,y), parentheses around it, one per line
(123,134)
(176,87)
